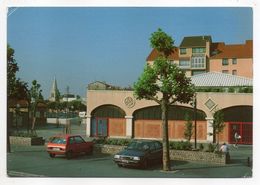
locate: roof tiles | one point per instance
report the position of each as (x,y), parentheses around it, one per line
(216,79)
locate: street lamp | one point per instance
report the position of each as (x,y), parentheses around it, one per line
(195,119)
(16,115)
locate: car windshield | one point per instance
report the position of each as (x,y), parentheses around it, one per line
(138,145)
(58,140)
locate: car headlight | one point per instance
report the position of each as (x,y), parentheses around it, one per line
(116,156)
(136,158)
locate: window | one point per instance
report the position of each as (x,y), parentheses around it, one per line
(198,50)
(234,61)
(183,51)
(198,72)
(79,139)
(198,62)
(158,145)
(224,62)
(225,71)
(234,72)
(184,64)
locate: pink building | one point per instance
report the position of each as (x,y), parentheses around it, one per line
(232,59)
(198,54)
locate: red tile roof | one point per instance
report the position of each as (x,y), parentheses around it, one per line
(232,51)
(154,54)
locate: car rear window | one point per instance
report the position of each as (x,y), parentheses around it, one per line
(58,140)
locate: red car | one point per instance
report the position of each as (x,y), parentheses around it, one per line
(68,145)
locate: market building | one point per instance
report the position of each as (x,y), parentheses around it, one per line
(115,113)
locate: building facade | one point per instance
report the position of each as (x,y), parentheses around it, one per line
(232,59)
(222,75)
(117,114)
(198,54)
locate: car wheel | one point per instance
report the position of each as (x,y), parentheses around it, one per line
(52,155)
(119,165)
(69,155)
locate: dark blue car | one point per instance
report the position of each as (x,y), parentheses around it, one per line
(140,153)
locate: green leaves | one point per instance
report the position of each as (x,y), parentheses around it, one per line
(164,79)
(162,42)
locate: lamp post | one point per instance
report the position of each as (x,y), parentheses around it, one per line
(16,115)
(195,119)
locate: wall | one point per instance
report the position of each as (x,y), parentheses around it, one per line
(242,64)
(182,155)
(153,129)
(117,127)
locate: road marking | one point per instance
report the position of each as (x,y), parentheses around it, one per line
(22,174)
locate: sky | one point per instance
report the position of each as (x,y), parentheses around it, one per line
(82,45)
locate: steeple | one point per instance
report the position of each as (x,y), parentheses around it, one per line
(54,91)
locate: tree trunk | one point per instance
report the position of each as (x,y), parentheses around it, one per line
(165,137)
(8,145)
(33,124)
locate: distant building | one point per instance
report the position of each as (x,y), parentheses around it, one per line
(97,85)
(68,97)
(54,91)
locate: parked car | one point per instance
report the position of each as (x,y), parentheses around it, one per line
(140,153)
(68,145)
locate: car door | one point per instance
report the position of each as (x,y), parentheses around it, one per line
(71,144)
(158,151)
(80,144)
(152,152)
(155,152)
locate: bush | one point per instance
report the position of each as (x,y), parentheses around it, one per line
(201,147)
(180,145)
(211,147)
(112,141)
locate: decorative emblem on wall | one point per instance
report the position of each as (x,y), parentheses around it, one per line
(210,104)
(129,102)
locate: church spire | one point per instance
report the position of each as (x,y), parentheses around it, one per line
(54,91)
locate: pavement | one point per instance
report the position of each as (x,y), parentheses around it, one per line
(33,161)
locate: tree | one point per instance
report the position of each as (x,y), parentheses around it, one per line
(165,84)
(188,128)
(35,97)
(218,124)
(16,89)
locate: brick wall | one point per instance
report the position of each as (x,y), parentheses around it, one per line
(26,141)
(182,155)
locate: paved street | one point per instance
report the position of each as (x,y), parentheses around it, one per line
(34,161)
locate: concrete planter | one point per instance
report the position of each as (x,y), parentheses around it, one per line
(26,141)
(181,155)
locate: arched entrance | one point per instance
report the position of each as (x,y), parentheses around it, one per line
(108,120)
(239,119)
(147,122)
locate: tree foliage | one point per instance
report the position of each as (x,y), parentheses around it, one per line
(165,84)
(16,89)
(35,98)
(218,124)
(188,128)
